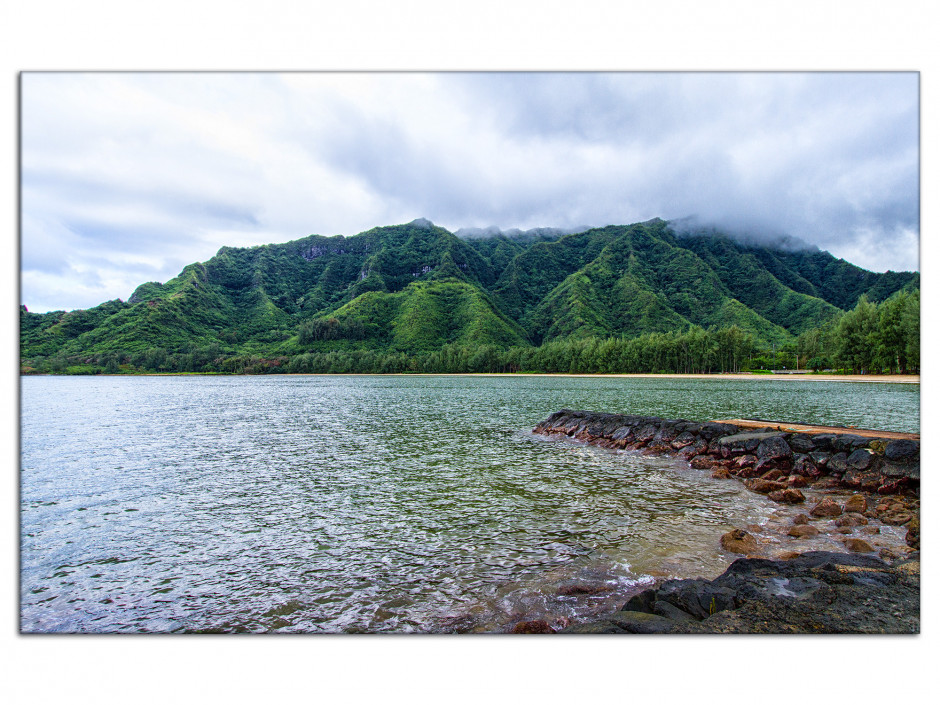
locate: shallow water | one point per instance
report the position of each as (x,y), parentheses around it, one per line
(401,504)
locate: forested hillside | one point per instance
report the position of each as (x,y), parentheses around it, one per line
(417,297)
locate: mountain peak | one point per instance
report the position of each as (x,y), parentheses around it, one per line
(422,223)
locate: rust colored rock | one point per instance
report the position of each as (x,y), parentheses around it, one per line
(850,519)
(800,519)
(739,541)
(535,626)
(803,465)
(745,461)
(749,471)
(796,481)
(826,483)
(702,462)
(722,474)
(788,555)
(856,503)
(802,531)
(787,496)
(912,538)
(764,486)
(827,507)
(773,475)
(858,546)
(871,529)
(896,518)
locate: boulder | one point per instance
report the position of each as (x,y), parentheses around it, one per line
(745,461)
(787,496)
(764,486)
(739,541)
(861,459)
(902,450)
(802,531)
(721,474)
(774,448)
(850,519)
(858,546)
(800,519)
(827,507)
(796,481)
(856,503)
(801,443)
(838,463)
(805,466)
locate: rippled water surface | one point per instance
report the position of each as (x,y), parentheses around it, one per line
(350,504)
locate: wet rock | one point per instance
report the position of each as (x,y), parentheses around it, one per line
(683,440)
(802,531)
(902,450)
(896,518)
(871,529)
(600,627)
(826,483)
(774,448)
(801,519)
(788,555)
(773,475)
(820,458)
(535,626)
(796,481)
(762,486)
(703,462)
(787,496)
(640,622)
(823,441)
(765,464)
(861,459)
(856,503)
(838,464)
(570,590)
(850,519)
(801,443)
(827,507)
(739,541)
(912,538)
(749,471)
(745,461)
(722,474)
(803,465)
(849,442)
(858,546)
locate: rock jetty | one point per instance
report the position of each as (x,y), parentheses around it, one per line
(781,459)
(808,592)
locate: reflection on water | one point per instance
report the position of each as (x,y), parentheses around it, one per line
(306,504)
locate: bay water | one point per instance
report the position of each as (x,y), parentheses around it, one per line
(374,503)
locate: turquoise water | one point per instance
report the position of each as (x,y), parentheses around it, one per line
(370,504)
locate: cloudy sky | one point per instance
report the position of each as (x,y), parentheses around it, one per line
(126,178)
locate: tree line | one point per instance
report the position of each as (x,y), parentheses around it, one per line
(871,338)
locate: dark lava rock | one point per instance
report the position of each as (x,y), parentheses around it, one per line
(714,430)
(861,459)
(801,443)
(824,441)
(804,465)
(902,450)
(640,622)
(814,592)
(838,463)
(820,458)
(849,442)
(774,448)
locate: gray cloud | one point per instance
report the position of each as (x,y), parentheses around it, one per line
(127,177)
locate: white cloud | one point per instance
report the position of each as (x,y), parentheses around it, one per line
(127,177)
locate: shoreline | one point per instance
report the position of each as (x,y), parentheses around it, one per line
(724,377)
(846,563)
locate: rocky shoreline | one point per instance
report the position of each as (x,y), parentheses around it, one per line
(860,588)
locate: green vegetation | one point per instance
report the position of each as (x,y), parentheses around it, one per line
(416,298)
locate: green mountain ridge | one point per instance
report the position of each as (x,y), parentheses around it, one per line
(416,288)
